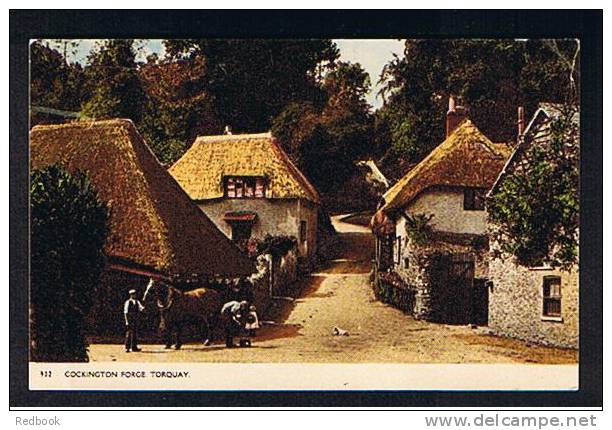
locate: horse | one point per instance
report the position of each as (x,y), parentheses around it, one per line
(200,307)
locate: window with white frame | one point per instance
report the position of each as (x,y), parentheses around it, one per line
(245,187)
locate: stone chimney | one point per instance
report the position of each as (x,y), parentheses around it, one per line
(521,123)
(455,115)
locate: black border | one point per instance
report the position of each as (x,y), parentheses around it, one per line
(584,24)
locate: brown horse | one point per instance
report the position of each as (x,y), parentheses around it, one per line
(199,307)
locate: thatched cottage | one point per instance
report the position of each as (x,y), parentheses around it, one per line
(539,303)
(431,228)
(249,188)
(155,229)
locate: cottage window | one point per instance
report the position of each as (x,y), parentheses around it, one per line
(552,296)
(260,187)
(239,187)
(473,199)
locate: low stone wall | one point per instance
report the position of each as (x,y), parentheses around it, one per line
(275,276)
(284,273)
(390,289)
(260,282)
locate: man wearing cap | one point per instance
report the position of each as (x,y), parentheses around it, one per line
(131,309)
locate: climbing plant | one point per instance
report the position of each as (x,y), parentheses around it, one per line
(418,228)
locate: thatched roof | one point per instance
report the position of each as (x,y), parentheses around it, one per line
(467,158)
(201,169)
(153,223)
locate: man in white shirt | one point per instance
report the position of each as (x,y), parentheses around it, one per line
(131,309)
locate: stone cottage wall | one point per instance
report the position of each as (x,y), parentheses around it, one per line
(516,304)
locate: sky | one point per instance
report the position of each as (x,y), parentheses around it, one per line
(372,54)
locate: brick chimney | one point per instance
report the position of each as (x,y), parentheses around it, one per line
(520,123)
(455,115)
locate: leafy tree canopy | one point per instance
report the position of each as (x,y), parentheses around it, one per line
(492,77)
(536,206)
(54,83)
(325,141)
(115,88)
(252,81)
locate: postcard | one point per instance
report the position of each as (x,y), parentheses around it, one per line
(304,214)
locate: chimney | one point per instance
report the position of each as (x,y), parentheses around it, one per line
(521,122)
(455,115)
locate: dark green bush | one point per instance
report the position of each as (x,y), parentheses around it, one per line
(69,225)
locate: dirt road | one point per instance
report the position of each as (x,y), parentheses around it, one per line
(340,295)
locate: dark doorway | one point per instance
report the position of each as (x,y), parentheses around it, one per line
(241,231)
(460,282)
(480,303)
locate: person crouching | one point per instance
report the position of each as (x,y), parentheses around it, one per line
(251,324)
(232,314)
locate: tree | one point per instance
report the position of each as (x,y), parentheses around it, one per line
(69,225)
(325,142)
(535,208)
(54,83)
(252,81)
(492,77)
(115,88)
(179,107)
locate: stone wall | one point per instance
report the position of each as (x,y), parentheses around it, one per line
(284,273)
(424,269)
(516,304)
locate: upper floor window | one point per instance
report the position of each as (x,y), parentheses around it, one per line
(473,199)
(239,187)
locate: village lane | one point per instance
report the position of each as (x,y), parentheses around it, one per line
(340,295)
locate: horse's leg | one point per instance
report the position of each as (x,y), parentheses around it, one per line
(208,332)
(168,335)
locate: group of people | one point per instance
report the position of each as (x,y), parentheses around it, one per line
(239,319)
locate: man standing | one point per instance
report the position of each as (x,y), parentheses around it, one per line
(131,309)
(232,314)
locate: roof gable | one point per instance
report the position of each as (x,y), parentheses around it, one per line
(153,222)
(201,169)
(542,116)
(466,158)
